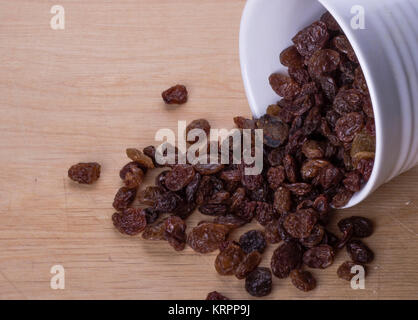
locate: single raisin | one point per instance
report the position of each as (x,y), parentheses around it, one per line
(259,282)
(359,252)
(206,237)
(228,260)
(321,256)
(344,270)
(124,198)
(84,173)
(303,280)
(286,258)
(175,95)
(215,295)
(253,240)
(131,221)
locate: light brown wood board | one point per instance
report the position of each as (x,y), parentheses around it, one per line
(85,94)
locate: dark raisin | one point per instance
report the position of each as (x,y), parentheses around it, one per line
(175,95)
(259,282)
(311,38)
(206,237)
(321,256)
(344,270)
(253,240)
(123,198)
(231,221)
(213,209)
(228,260)
(331,23)
(84,173)
(290,57)
(286,258)
(248,264)
(140,158)
(362,227)
(179,177)
(199,124)
(284,86)
(300,224)
(175,232)
(359,252)
(215,295)
(348,125)
(271,232)
(315,238)
(303,280)
(131,221)
(275,132)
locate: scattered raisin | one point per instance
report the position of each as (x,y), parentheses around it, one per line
(131,221)
(253,240)
(303,280)
(175,95)
(123,198)
(321,256)
(84,173)
(359,252)
(259,282)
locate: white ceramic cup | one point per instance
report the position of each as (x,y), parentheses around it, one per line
(386,48)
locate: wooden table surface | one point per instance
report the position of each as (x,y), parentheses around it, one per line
(85,94)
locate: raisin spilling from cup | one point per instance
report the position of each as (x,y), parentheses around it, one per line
(318,148)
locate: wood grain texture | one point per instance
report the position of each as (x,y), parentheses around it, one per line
(90,91)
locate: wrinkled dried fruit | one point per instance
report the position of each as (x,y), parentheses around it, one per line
(264,213)
(258,283)
(290,57)
(206,237)
(228,260)
(284,86)
(253,240)
(275,132)
(175,95)
(149,195)
(344,270)
(348,125)
(271,232)
(303,280)
(84,173)
(321,256)
(276,176)
(286,258)
(231,221)
(213,209)
(199,124)
(140,158)
(359,252)
(215,295)
(155,232)
(248,264)
(348,100)
(175,232)
(362,227)
(311,39)
(131,221)
(323,62)
(282,200)
(300,224)
(179,177)
(123,198)
(315,238)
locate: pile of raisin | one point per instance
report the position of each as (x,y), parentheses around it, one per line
(318,149)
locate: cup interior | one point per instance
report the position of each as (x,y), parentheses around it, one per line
(267,27)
